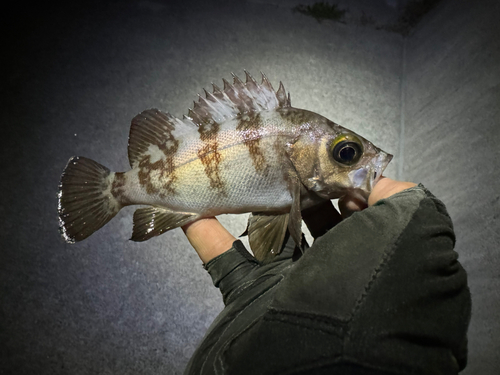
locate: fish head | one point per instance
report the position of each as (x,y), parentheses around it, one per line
(333,161)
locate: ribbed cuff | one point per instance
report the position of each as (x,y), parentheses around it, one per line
(228,269)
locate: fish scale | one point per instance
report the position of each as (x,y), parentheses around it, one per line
(242,148)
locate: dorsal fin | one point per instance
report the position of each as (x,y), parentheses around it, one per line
(238,98)
(151,127)
(154,127)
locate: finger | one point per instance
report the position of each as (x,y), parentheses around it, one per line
(208,237)
(321,218)
(387,187)
(349,205)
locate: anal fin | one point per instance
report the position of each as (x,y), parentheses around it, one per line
(153,221)
(266,234)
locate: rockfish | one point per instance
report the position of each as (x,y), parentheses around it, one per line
(242,148)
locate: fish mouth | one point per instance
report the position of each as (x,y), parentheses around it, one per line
(364,179)
(381,162)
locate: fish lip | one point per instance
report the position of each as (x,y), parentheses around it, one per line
(379,166)
(365,178)
(359,177)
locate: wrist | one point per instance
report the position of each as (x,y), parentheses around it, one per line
(209,238)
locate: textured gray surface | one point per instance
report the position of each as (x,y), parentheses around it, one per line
(77,76)
(452,145)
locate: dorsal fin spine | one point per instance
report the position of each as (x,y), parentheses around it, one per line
(228,100)
(237,98)
(216,88)
(270,96)
(227,85)
(208,103)
(216,105)
(281,95)
(265,82)
(247,92)
(249,78)
(237,80)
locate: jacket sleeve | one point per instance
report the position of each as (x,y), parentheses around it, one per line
(236,270)
(230,269)
(418,301)
(391,276)
(382,292)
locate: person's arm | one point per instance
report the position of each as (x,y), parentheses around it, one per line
(391,275)
(383,289)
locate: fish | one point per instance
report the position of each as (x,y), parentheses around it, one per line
(240,149)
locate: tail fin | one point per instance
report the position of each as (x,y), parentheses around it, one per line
(85,199)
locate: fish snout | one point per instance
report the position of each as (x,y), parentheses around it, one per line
(378,167)
(366,177)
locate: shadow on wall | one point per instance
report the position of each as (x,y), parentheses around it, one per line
(410,15)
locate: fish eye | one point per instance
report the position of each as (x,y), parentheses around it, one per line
(346,149)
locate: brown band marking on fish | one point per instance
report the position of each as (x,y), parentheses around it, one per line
(248,127)
(166,167)
(209,154)
(296,117)
(118,188)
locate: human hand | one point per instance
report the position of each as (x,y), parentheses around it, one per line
(384,188)
(208,237)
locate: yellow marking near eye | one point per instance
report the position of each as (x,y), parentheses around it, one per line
(348,138)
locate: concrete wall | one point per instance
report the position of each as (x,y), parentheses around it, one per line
(451,144)
(76,77)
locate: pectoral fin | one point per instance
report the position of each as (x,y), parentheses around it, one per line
(295,220)
(266,234)
(153,221)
